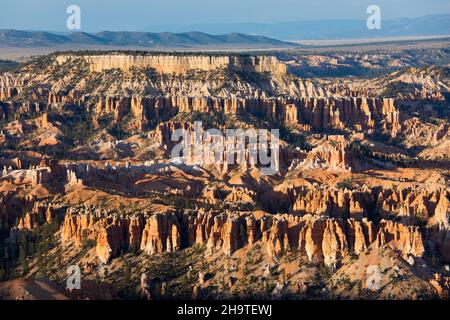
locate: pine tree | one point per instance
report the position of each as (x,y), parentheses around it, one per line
(127,273)
(23,253)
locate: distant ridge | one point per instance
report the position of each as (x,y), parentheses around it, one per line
(29,39)
(437,24)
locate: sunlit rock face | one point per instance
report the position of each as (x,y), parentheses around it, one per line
(87,171)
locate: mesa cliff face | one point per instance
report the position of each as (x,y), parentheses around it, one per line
(181,65)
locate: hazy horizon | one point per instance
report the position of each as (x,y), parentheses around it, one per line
(140,15)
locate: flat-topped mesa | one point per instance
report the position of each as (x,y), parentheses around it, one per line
(180,64)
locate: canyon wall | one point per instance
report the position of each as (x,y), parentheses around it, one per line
(323,240)
(360,114)
(408,204)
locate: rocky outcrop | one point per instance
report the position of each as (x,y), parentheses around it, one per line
(221,152)
(7,92)
(253,229)
(333,154)
(41,213)
(239,195)
(411,204)
(326,224)
(277,238)
(407,239)
(359,114)
(310,240)
(331,240)
(135,229)
(323,240)
(116,106)
(414,203)
(442,285)
(334,243)
(161,234)
(150,288)
(111,238)
(224,234)
(77,226)
(334,202)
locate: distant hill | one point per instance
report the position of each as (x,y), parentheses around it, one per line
(28,39)
(325,29)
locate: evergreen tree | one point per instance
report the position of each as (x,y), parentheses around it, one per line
(127,273)
(23,253)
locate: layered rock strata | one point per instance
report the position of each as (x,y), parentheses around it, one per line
(323,240)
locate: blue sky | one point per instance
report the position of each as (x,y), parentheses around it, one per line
(98,15)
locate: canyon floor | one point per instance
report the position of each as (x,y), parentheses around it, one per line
(358,207)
